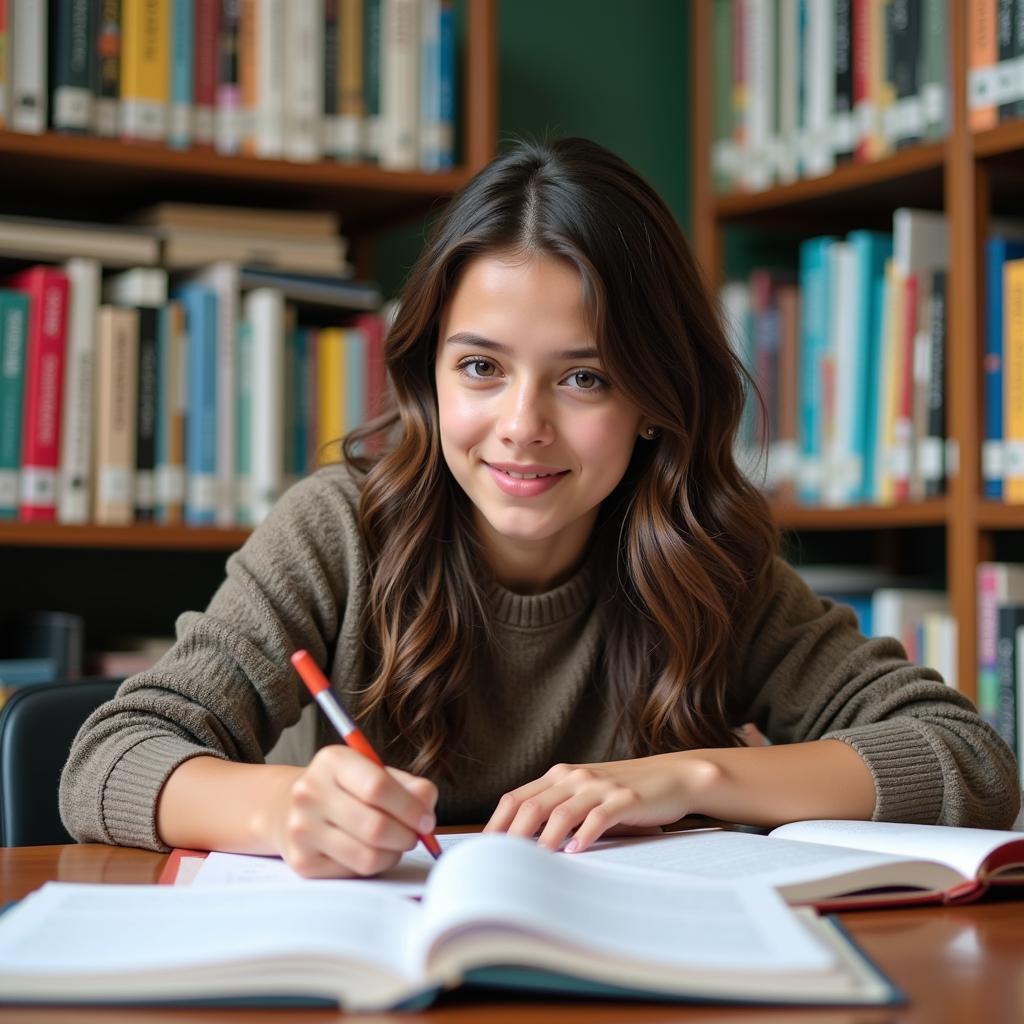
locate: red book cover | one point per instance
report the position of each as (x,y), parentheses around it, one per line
(47,288)
(206,69)
(376,376)
(862,101)
(905,408)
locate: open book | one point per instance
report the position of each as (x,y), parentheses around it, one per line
(835,864)
(496,911)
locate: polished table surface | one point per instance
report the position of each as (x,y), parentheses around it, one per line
(953,963)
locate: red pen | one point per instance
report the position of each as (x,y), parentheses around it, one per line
(317,684)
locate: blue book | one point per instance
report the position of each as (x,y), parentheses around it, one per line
(871,250)
(355,377)
(14,310)
(303,401)
(814,342)
(448,67)
(182,59)
(27,671)
(997,251)
(200,304)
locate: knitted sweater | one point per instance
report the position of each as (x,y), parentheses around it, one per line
(226,688)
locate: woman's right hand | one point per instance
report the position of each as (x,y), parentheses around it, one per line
(345,816)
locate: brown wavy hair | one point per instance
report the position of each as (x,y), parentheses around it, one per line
(684,543)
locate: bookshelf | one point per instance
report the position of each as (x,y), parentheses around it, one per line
(968,175)
(138,578)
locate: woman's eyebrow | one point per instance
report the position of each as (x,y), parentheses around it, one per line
(476,341)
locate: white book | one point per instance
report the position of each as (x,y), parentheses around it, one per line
(264,310)
(139,286)
(498,909)
(939,653)
(27,24)
(303,80)
(270,74)
(789,144)
(399,84)
(842,462)
(74,482)
(920,240)
(819,71)
(759,72)
(898,611)
(223,279)
(431,128)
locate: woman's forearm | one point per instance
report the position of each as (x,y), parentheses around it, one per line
(210,804)
(771,785)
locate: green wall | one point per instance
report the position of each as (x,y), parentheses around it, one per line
(615,71)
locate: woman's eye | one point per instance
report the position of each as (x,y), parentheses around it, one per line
(584,380)
(478,368)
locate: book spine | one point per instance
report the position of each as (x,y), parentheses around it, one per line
(355,378)
(74,499)
(1006,68)
(201,503)
(228,138)
(330,143)
(446,102)
(206,50)
(44,384)
(145,70)
(880,84)
(72,57)
(116,403)
(243,411)
(430,85)
(998,583)
(1010,617)
(350,83)
(372,50)
(303,81)
(270,34)
(905,125)
(14,314)
(903,416)
(843,478)
(1019,700)
(1013,381)
(818,55)
(788,86)
(248,75)
(145,411)
(182,74)
(330,387)
(107,69)
(5,61)
(170,415)
(934,68)
(399,85)
(865,113)
(303,402)
(1018,35)
(844,136)
(933,447)
(982,59)
(265,312)
(28,66)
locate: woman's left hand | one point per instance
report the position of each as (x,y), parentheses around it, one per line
(593,799)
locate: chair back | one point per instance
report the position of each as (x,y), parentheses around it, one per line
(37,726)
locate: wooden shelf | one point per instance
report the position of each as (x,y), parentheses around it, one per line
(112,177)
(148,537)
(862,517)
(895,179)
(997,515)
(1004,140)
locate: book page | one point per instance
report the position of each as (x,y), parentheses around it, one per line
(525,888)
(962,848)
(407,878)
(718,855)
(68,928)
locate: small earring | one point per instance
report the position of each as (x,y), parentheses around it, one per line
(651,432)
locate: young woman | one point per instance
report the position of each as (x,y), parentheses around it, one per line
(551,599)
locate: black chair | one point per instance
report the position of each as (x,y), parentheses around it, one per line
(37,725)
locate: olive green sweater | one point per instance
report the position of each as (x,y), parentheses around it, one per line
(226,687)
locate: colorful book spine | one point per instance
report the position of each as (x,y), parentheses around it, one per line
(172,392)
(74,500)
(229,96)
(1006,70)
(372,28)
(355,378)
(350,80)
(244,413)
(932,455)
(982,59)
(71,60)
(205,53)
(117,337)
(331,390)
(1013,382)
(44,389)
(265,313)
(179,134)
(430,84)
(269,60)
(145,69)
(107,69)
(1010,618)
(201,316)
(999,583)
(14,314)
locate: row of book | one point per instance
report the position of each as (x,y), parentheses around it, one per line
(848,354)
(301,80)
(802,85)
(129,399)
(995,77)
(1001,651)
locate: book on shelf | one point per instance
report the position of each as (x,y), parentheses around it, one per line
(999,584)
(211,217)
(47,239)
(497,912)
(14,308)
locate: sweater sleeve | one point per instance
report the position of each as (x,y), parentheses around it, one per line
(807,673)
(226,688)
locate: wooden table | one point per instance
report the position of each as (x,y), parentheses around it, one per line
(954,964)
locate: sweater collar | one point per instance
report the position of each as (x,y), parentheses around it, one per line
(533,610)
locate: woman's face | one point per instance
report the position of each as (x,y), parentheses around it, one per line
(530,426)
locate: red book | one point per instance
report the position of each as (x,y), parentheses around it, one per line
(372,325)
(905,399)
(47,289)
(863,102)
(206,70)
